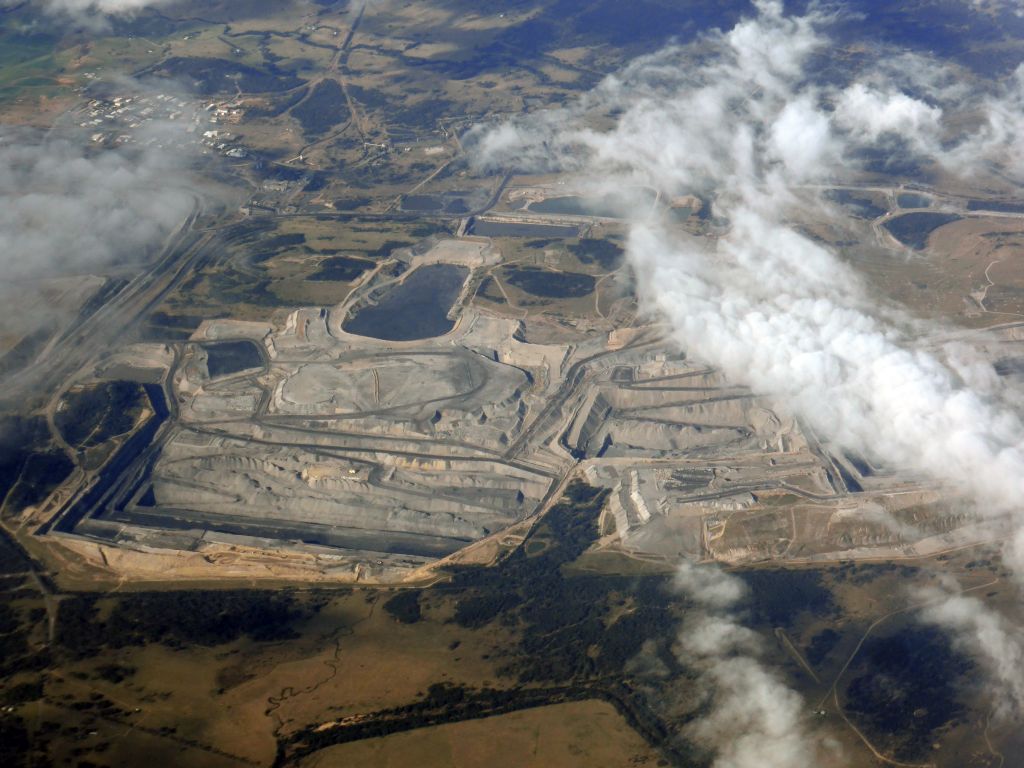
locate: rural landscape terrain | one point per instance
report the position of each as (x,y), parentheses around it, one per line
(331,436)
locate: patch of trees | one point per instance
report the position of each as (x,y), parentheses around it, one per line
(821,645)
(176,619)
(12,558)
(29,467)
(15,744)
(210,75)
(570,646)
(428,228)
(318,180)
(93,415)
(489,290)
(481,609)
(863,573)
(351,203)
(905,687)
(9,619)
(423,114)
(16,654)
(604,252)
(370,98)
(115,673)
(778,596)
(340,268)
(564,621)
(275,245)
(405,606)
(22,693)
(323,109)
(230,286)
(443,703)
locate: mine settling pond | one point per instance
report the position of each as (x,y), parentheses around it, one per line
(227,357)
(485,228)
(615,206)
(416,308)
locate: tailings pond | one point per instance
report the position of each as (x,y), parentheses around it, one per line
(549,284)
(416,308)
(995,205)
(913,200)
(914,229)
(508,229)
(227,357)
(615,206)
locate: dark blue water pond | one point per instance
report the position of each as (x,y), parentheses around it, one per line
(422,203)
(913,229)
(506,229)
(576,206)
(226,357)
(609,206)
(913,200)
(995,205)
(549,284)
(416,308)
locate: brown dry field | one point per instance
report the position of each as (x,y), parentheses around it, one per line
(223,705)
(350,658)
(878,606)
(937,283)
(584,734)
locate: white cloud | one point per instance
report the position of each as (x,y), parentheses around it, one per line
(65,208)
(99,6)
(780,312)
(752,720)
(90,13)
(985,634)
(70,206)
(764,302)
(801,139)
(871,114)
(998,6)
